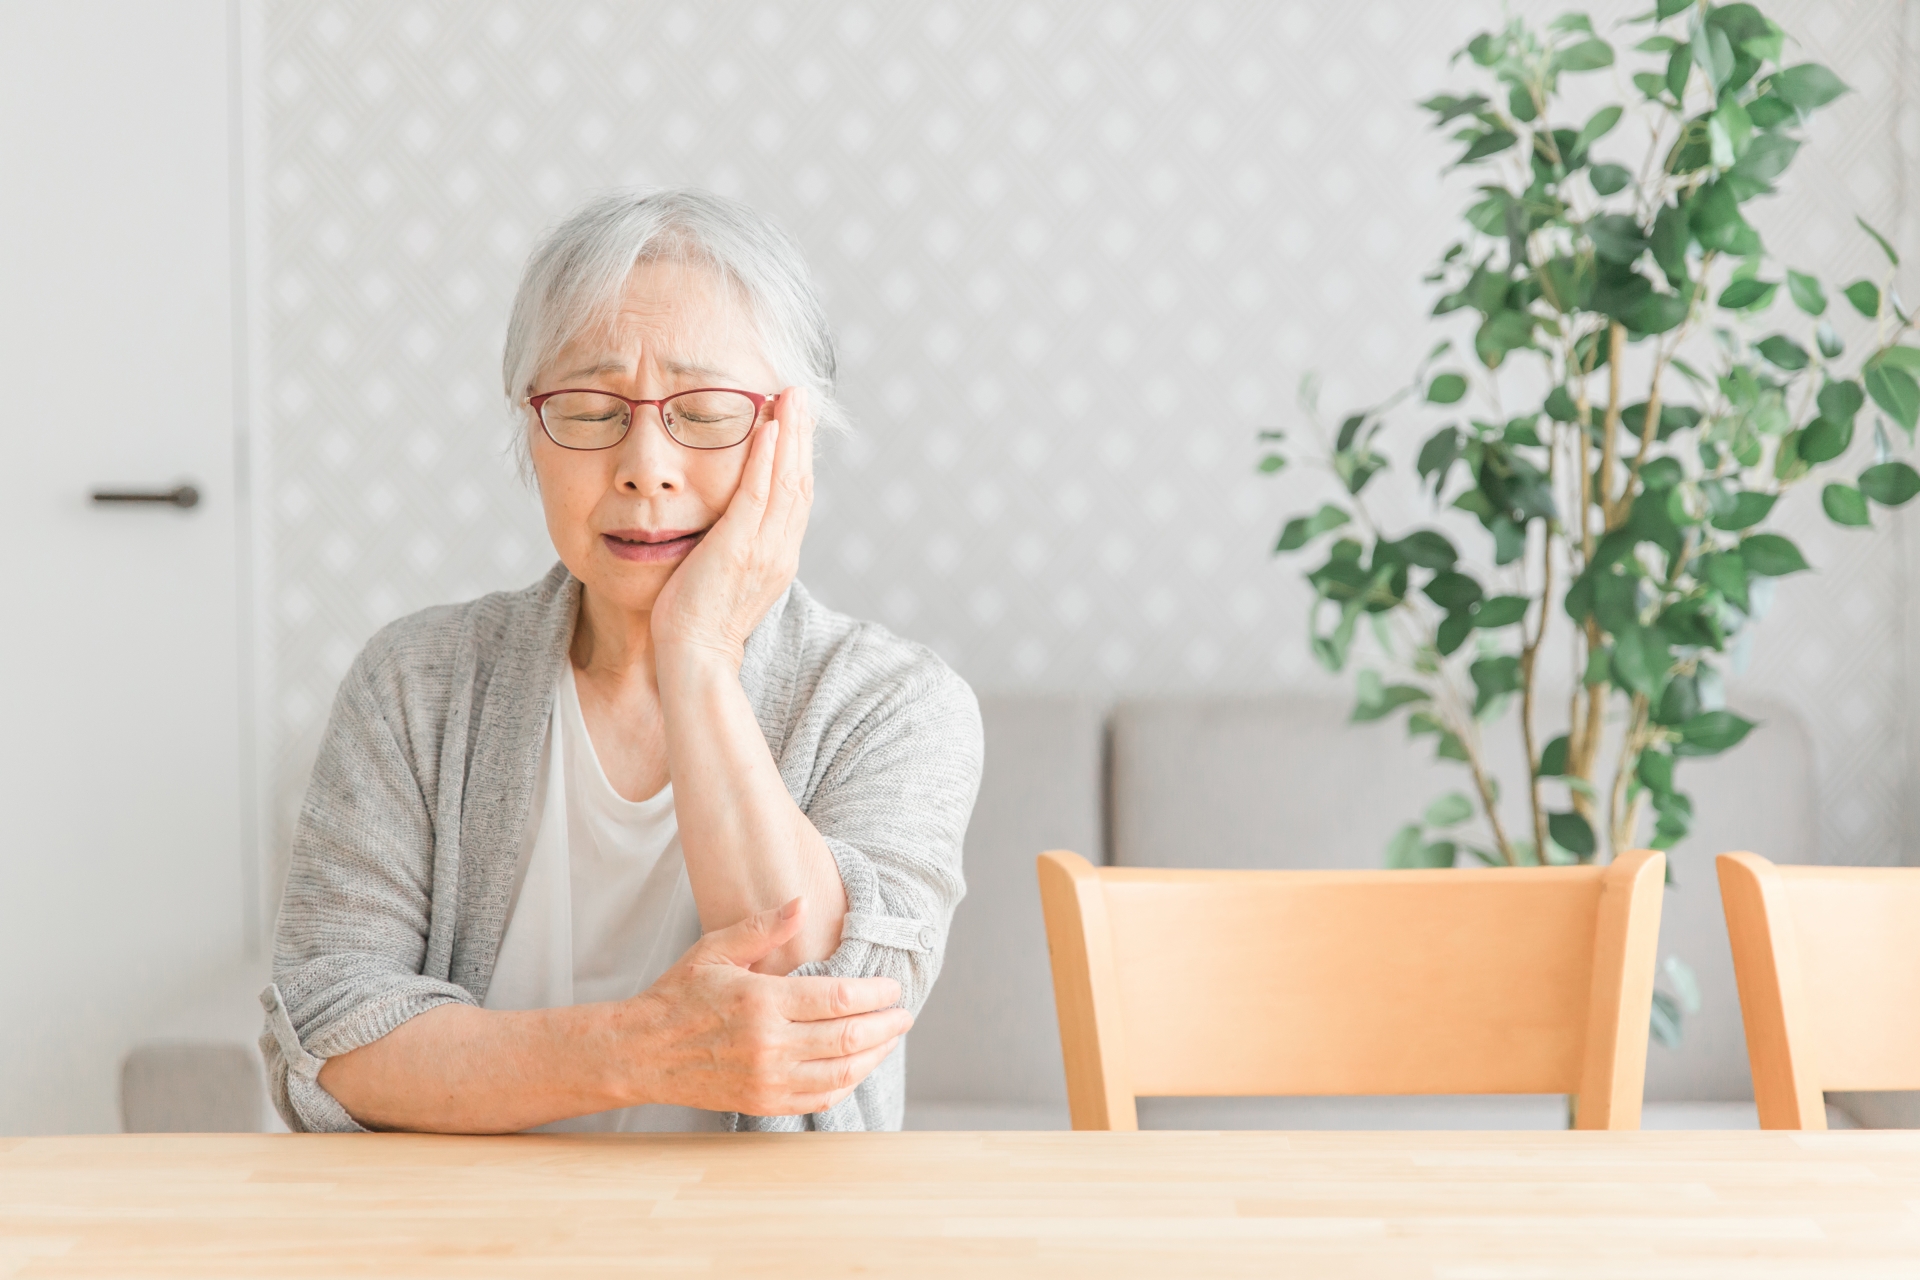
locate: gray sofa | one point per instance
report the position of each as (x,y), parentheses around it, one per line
(1273,781)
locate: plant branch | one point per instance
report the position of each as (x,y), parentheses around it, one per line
(1618,827)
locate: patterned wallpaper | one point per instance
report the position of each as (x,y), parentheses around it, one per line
(1076,254)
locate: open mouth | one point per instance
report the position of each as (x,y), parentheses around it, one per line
(644,547)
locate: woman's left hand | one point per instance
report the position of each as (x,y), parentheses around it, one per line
(721,591)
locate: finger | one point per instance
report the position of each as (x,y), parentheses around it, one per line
(752,940)
(785,481)
(749,502)
(815,999)
(841,1037)
(830,1076)
(803,426)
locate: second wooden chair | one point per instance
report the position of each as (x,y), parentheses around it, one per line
(1828,963)
(1243,983)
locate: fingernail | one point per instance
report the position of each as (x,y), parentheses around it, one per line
(791,910)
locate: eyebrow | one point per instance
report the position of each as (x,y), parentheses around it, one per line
(697,370)
(677,367)
(593,370)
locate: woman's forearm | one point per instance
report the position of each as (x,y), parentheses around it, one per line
(748,846)
(459,1069)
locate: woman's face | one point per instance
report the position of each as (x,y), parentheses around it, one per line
(622,518)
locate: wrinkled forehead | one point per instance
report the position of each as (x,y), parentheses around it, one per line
(674,312)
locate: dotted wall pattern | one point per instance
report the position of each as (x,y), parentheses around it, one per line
(1076,255)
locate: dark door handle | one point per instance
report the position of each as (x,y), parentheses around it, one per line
(184,495)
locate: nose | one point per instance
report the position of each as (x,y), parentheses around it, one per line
(649,460)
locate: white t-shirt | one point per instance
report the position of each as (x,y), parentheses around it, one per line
(601,902)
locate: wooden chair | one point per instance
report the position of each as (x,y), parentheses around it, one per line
(1828,964)
(1240,983)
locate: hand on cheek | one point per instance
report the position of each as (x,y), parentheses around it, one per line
(725,586)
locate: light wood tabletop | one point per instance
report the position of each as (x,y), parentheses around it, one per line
(1493,1206)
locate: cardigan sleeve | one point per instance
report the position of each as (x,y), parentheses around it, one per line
(351,939)
(893,805)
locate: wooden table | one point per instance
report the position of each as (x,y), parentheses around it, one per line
(1661,1206)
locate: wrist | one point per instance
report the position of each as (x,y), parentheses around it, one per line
(696,663)
(621,1038)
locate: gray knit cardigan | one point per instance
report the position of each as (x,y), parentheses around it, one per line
(403,861)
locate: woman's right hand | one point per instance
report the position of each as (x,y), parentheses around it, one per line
(714,1035)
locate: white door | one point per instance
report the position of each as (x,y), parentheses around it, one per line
(121,852)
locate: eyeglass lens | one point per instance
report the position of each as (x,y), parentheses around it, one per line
(697,419)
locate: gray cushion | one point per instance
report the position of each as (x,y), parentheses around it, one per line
(1271,781)
(987,1033)
(192,1087)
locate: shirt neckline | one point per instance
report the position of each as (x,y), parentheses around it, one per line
(594,773)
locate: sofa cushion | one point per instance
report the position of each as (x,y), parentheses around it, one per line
(987,1034)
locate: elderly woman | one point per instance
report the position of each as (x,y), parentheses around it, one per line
(659,842)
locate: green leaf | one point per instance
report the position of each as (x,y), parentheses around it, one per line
(1501,611)
(1784,352)
(1766,158)
(1493,677)
(1403,850)
(1616,237)
(1807,86)
(1597,127)
(1714,52)
(1807,293)
(1686,986)
(1553,760)
(1894,390)
(1725,572)
(1664,1021)
(1453,631)
(1768,555)
(1641,659)
(1840,400)
(1271,463)
(1571,832)
(1891,484)
(1824,440)
(1865,297)
(1451,748)
(1446,389)
(1447,107)
(1878,239)
(1424,547)
(1845,504)
(1655,771)
(1657,313)
(1827,338)
(1711,732)
(1749,509)
(1715,217)
(1609,178)
(1453,591)
(1304,529)
(1520,103)
(1748,294)
(1449,810)
(1667,8)
(1490,143)
(1588,55)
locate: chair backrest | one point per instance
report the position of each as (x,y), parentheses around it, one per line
(1828,965)
(1236,983)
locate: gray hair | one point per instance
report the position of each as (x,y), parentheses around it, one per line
(578,272)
